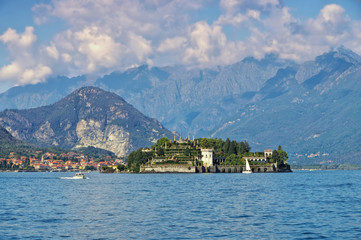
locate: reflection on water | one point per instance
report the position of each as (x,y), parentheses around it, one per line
(181,206)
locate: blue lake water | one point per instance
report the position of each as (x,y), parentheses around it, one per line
(298,205)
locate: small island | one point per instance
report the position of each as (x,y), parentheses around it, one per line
(205,155)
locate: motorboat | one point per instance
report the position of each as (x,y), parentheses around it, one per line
(79,175)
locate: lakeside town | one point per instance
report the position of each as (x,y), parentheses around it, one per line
(56,162)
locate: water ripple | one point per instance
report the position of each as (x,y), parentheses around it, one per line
(301,205)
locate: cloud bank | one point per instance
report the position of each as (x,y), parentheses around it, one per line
(107,35)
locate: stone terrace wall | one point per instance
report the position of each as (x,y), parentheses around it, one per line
(184,168)
(168,168)
(236,169)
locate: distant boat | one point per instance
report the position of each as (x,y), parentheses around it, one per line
(79,175)
(248,168)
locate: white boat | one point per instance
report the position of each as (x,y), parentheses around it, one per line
(79,175)
(248,168)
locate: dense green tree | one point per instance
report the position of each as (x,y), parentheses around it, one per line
(121,167)
(163,143)
(275,156)
(233,159)
(205,143)
(282,155)
(135,159)
(160,151)
(226,146)
(218,146)
(243,147)
(232,147)
(248,147)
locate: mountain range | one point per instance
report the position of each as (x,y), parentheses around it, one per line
(87,117)
(312,109)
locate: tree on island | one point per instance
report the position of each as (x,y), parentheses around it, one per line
(135,159)
(243,148)
(232,148)
(160,151)
(163,143)
(279,156)
(275,157)
(205,143)
(226,145)
(282,156)
(233,159)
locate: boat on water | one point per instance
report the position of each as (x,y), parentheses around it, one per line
(79,175)
(248,168)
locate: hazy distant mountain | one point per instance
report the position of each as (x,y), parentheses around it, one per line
(192,102)
(314,113)
(189,101)
(41,94)
(87,117)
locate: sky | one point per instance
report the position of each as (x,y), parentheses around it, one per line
(45,38)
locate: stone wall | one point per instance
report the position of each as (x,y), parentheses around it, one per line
(236,169)
(183,168)
(168,168)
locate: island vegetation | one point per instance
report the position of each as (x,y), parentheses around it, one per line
(189,152)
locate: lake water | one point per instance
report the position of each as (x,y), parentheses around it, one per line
(298,205)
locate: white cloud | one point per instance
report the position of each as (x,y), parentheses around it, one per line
(10,71)
(331,26)
(108,35)
(52,51)
(35,75)
(172,43)
(20,75)
(204,41)
(99,49)
(42,13)
(234,6)
(12,38)
(66,57)
(26,66)
(159,32)
(140,46)
(239,18)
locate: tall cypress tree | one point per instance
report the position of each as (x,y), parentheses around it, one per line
(248,147)
(233,148)
(226,146)
(275,156)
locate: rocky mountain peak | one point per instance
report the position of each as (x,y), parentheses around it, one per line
(93,94)
(89,116)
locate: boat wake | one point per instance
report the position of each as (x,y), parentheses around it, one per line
(73,178)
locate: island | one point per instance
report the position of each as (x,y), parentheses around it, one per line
(205,155)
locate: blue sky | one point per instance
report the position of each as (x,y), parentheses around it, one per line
(44,38)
